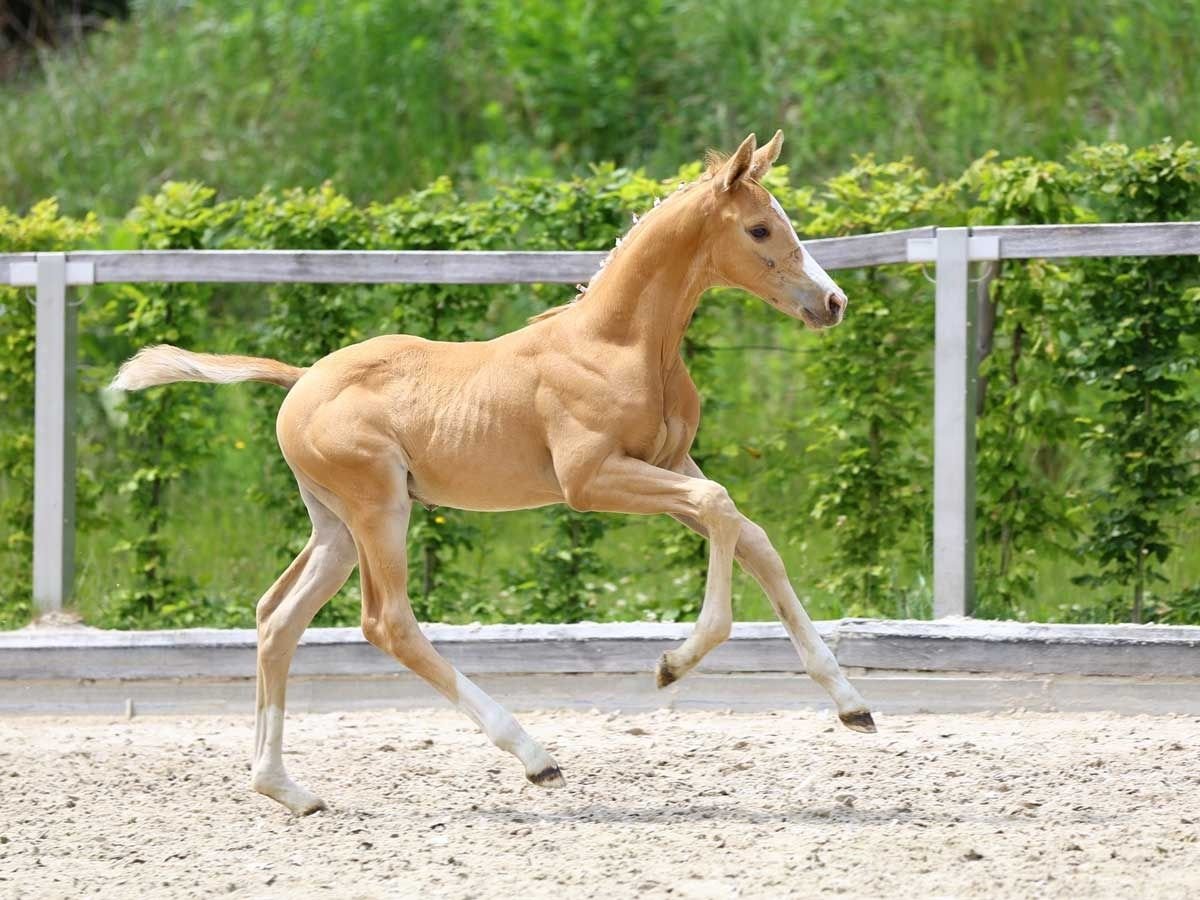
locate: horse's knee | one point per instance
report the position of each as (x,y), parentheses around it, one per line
(276,639)
(262,612)
(375,631)
(716,509)
(327,558)
(718,628)
(275,596)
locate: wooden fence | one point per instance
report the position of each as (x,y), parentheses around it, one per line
(950,250)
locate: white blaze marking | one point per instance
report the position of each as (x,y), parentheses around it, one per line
(812,269)
(779,209)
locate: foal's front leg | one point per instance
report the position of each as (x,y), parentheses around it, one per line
(624,484)
(758,557)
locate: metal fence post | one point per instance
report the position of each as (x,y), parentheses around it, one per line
(955,387)
(54,438)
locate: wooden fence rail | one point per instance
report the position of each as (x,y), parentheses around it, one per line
(951,250)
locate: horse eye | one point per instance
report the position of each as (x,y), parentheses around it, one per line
(759,232)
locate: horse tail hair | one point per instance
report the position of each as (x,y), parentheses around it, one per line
(164,364)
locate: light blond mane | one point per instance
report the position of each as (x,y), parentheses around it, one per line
(713,161)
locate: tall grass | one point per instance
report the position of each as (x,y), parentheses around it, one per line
(380,96)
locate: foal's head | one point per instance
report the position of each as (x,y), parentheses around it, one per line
(755,247)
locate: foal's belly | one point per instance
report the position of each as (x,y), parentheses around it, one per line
(482,483)
(479,464)
(471,460)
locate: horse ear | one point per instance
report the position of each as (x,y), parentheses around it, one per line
(765,156)
(738,164)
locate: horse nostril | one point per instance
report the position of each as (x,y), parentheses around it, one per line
(835,304)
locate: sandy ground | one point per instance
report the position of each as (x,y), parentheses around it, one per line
(666,804)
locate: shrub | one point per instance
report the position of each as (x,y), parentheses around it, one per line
(1087,448)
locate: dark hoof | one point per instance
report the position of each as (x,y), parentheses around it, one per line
(319,806)
(664,674)
(548,778)
(858,721)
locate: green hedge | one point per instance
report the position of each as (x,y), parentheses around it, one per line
(1087,460)
(41,229)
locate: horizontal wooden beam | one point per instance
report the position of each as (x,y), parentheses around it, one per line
(856,251)
(339,266)
(519,267)
(1066,241)
(399,267)
(946,646)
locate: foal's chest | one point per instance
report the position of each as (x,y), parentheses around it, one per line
(677,416)
(671,442)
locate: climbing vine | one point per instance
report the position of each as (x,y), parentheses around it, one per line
(1024,428)
(866,451)
(1137,322)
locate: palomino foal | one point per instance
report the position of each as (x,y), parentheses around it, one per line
(589,405)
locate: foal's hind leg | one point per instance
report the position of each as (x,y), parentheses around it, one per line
(283,613)
(380,526)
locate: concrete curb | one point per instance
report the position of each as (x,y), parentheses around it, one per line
(886,692)
(901,666)
(963,645)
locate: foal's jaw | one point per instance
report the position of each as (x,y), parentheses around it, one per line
(806,293)
(813,297)
(816,299)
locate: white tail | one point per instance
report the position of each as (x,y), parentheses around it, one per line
(164,364)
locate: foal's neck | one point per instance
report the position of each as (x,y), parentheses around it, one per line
(651,286)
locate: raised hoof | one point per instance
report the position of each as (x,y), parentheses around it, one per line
(664,674)
(858,721)
(550,777)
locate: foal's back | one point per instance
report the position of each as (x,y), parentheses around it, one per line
(461,420)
